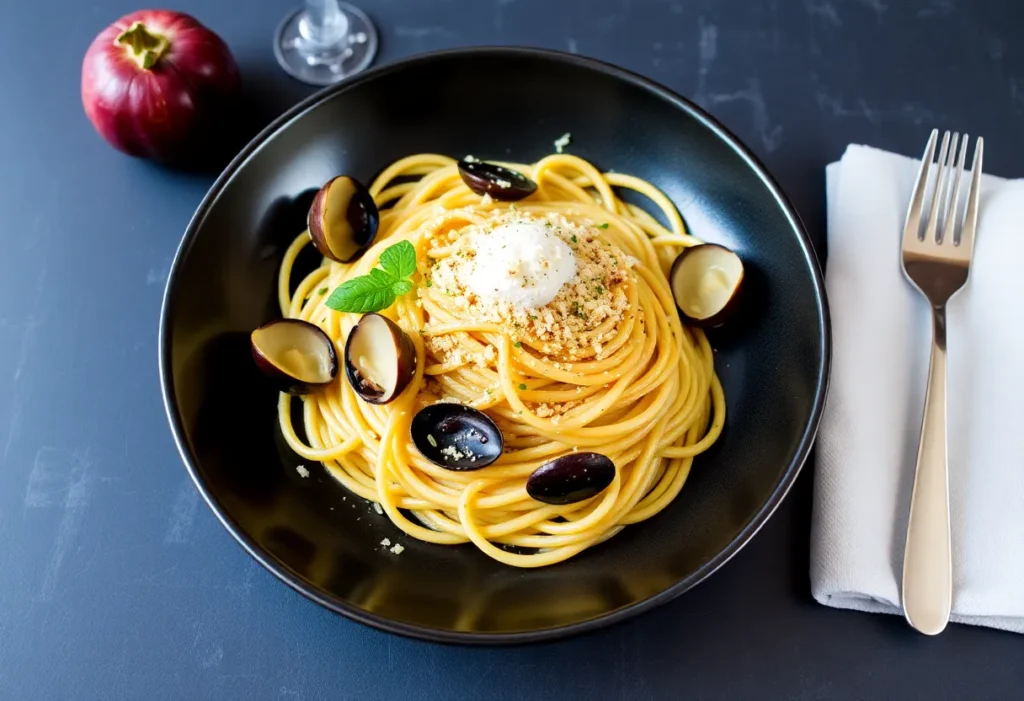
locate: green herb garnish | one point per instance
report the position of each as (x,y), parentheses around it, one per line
(322,291)
(522,386)
(517,344)
(603,226)
(379,289)
(574,238)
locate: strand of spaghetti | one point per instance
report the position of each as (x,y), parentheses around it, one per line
(284,296)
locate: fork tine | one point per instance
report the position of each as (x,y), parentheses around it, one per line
(953,192)
(940,187)
(912,226)
(971,215)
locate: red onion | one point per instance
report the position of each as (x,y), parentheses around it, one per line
(158,84)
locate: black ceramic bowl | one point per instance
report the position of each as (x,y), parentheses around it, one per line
(492,103)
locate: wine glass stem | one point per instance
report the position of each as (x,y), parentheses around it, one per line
(324,24)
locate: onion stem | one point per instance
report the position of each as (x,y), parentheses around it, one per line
(144,47)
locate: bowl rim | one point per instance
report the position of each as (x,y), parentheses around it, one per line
(339,606)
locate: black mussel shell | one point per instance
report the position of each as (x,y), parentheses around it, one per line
(297,355)
(570,478)
(343,219)
(499,182)
(456,437)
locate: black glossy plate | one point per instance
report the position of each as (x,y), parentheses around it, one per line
(492,103)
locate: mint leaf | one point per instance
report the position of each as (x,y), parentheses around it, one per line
(378,289)
(382,277)
(365,293)
(399,260)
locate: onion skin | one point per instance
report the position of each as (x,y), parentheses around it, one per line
(168,104)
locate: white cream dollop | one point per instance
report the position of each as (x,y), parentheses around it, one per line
(524,263)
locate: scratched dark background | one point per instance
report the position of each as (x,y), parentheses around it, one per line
(117,582)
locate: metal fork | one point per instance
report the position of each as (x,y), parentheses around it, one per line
(936,259)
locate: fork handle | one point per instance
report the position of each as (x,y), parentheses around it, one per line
(927,560)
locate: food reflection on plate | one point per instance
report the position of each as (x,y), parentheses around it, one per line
(504,354)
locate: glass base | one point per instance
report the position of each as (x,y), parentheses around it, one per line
(326,65)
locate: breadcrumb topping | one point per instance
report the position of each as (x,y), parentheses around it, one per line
(578,322)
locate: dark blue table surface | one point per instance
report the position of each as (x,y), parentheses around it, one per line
(117,582)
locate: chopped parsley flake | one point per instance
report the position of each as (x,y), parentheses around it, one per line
(322,291)
(574,238)
(517,344)
(603,226)
(522,386)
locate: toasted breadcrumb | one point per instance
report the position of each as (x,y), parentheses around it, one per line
(453,453)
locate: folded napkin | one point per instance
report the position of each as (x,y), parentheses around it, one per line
(867,446)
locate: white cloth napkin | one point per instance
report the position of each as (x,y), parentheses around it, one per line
(867,446)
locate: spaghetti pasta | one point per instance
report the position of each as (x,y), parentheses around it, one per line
(636,385)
